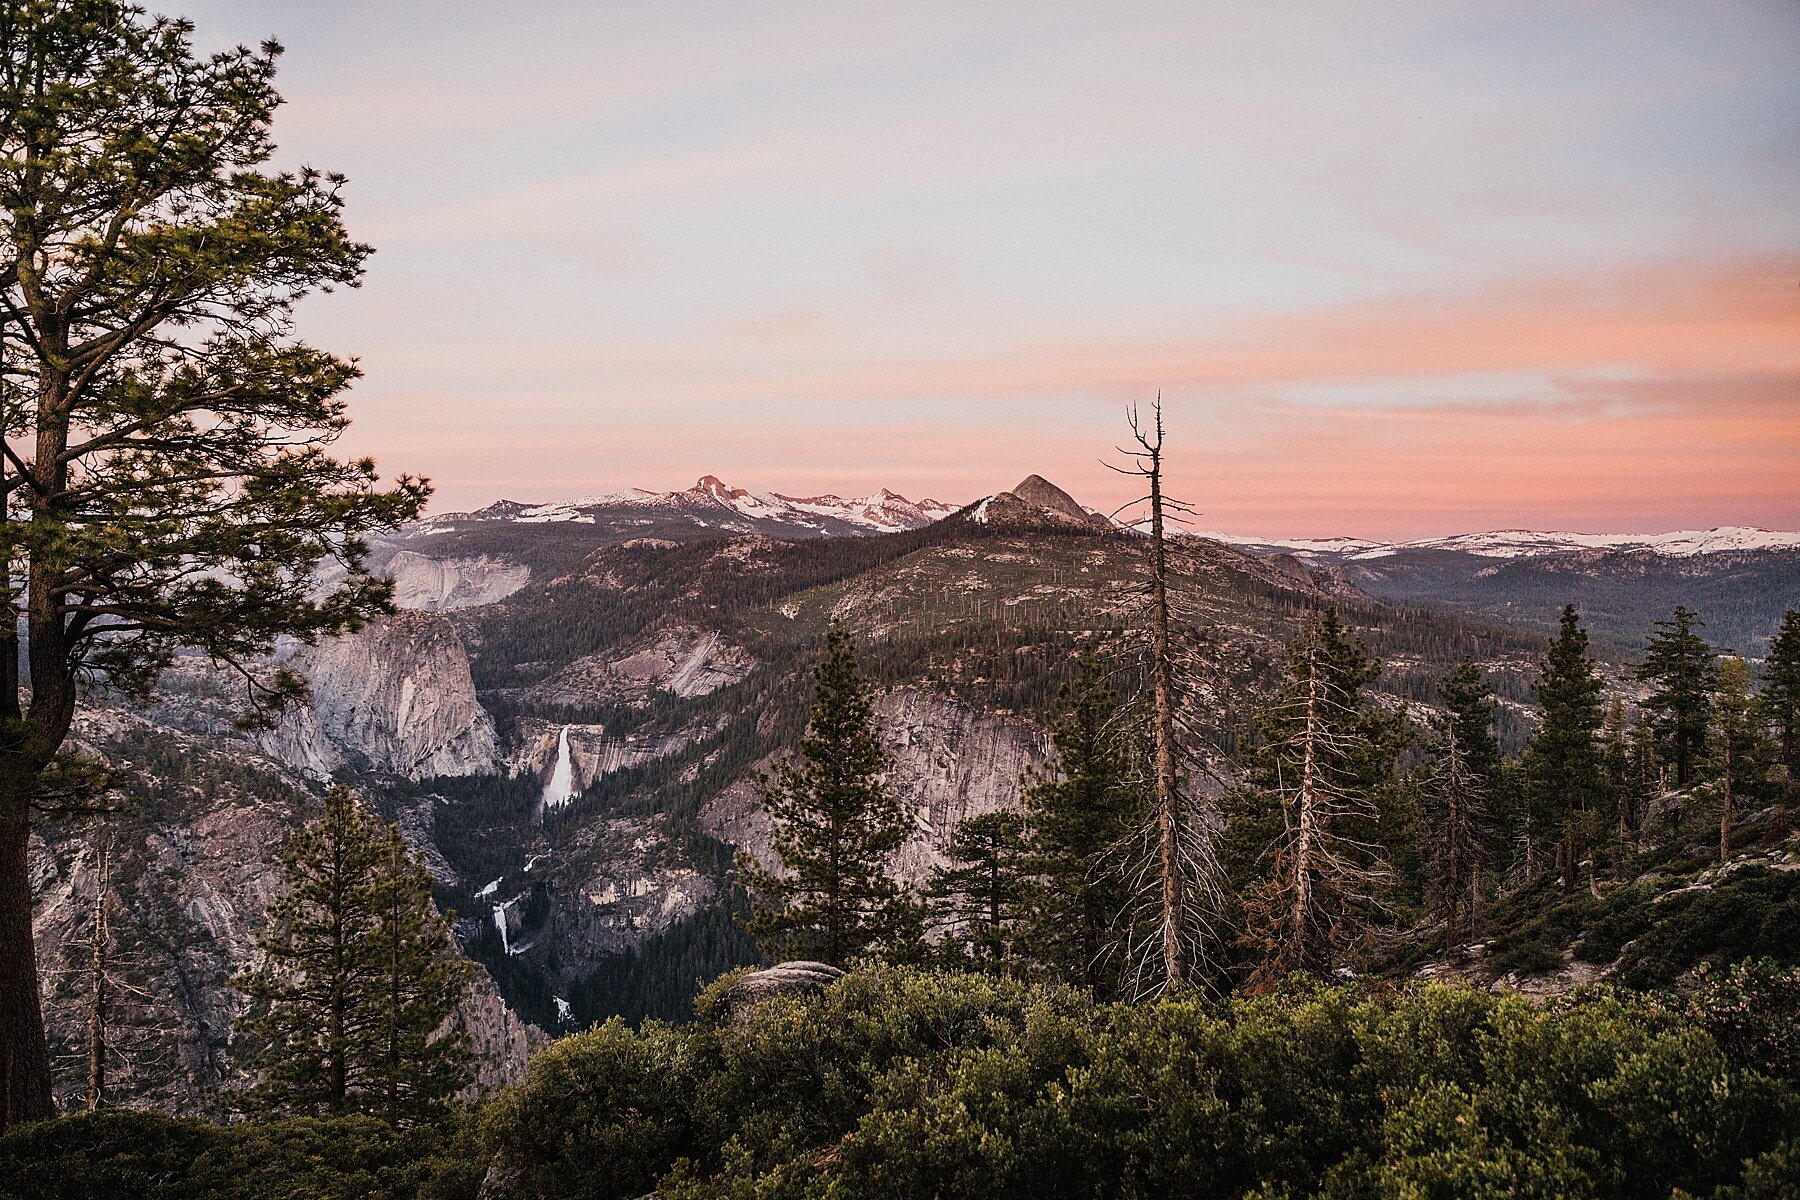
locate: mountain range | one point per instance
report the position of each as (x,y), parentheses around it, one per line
(1740,579)
(570,717)
(1525,543)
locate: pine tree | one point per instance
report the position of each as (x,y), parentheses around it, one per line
(1781,705)
(981,900)
(1679,665)
(169,480)
(835,826)
(1563,783)
(1739,752)
(1469,703)
(1617,771)
(1080,815)
(1646,772)
(1456,837)
(350,1011)
(1317,771)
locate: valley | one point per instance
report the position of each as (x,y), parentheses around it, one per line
(569,716)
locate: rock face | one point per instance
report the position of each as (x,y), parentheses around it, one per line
(396,698)
(191,870)
(440,584)
(593,752)
(685,661)
(1038,491)
(950,763)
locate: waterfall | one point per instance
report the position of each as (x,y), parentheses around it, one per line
(561,787)
(500,923)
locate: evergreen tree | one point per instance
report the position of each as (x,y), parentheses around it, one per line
(168,480)
(982,897)
(1469,704)
(1678,664)
(1563,783)
(1080,814)
(1455,840)
(1618,772)
(1739,753)
(1457,825)
(348,1012)
(1646,771)
(1323,761)
(1781,704)
(835,826)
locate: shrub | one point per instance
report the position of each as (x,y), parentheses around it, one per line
(1528,957)
(1750,913)
(903,1083)
(149,1157)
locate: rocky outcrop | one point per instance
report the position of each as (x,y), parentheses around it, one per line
(440,584)
(611,884)
(1036,490)
(733,1006)
(950,763)
(684,661)
(396,698)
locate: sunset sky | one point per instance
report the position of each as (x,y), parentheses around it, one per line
(1398,269)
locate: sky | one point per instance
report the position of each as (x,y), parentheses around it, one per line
(1396,269)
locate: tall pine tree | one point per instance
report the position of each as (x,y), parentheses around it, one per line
(1563,783)
(1468,702)
(1738,752)
(1618,771)
(1781,706)
(350,1010)
(1456,826)
(168,481)
(1081,813)
(835,826)
(1324,759)
(1679,666)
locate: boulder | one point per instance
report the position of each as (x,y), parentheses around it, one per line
(782,979)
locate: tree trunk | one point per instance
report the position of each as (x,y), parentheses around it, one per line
(1306,829)
(393,1030)
(96,1088)
(24,1052)
(1167,816)
(1725,808)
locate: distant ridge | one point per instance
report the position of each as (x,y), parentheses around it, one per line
(1526,543)
(714,503)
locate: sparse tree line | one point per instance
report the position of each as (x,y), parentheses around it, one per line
(349,1004)
(1351,821)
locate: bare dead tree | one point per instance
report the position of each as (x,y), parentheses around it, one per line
(1173,864)
(131,1030)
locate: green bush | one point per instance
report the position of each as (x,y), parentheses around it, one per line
(901,1083)
(143,1156)
(1750,913)
(1752,1010)
(904,1083)
(1531,956)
